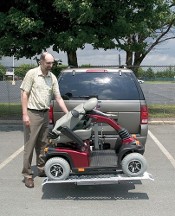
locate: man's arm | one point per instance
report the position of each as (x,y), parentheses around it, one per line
(61,103)
(24,101)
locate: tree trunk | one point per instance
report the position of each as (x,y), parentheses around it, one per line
(138,58)
(133,61)
(129,59)
(72,59)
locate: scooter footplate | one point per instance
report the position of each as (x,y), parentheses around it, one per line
(98,179)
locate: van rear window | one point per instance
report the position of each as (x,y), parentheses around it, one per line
(104,86)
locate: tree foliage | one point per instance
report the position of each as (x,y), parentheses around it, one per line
(22,70)
(149,23)
(2,71)
(29,26)
(152,74)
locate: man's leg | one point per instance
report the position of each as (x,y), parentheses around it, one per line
(30,138)
(41,144)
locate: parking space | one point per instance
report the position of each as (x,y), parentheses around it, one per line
(165,135)
(159,93)
(127,198)
(11,139)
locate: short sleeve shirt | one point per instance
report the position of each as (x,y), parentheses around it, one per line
(40,88)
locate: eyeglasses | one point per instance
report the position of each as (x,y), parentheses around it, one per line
(49,63)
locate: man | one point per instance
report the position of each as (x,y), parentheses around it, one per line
(37,89)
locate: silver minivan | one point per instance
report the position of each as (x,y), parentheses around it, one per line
(118,92)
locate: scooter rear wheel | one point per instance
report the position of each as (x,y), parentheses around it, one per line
(57,168)
(134,164)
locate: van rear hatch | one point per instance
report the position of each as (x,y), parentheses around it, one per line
(118,93)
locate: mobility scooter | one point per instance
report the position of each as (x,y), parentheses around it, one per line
(77,154)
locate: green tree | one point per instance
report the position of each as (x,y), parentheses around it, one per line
(150,73)
(141,73)
(22,70)
(28,27)
(136,27)
(90,21)
(2,71)
(165,74)
(149,24)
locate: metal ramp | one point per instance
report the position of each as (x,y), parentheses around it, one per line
(98,179)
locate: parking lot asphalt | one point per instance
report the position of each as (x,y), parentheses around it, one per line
(162,93)
(137,198)
(150,121)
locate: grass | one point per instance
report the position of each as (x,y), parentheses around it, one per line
(12,111)
(161,111)
(160,82)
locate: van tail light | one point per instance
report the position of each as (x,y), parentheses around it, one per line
(51,120)
(144,114)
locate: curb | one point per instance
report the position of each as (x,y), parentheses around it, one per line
(150,122)
(11,122)
(154,122)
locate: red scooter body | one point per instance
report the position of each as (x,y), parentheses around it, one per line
(77,154)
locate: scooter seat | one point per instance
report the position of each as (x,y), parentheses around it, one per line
(82,133)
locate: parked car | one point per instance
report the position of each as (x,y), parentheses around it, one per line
(118,92)
(140,81)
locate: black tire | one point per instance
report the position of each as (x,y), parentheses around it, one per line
(57,168)
(134,164)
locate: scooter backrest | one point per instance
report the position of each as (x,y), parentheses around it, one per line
(90,104)
(69,120)
(72,118)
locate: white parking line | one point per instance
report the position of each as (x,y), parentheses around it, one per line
(9,159)
(162,148)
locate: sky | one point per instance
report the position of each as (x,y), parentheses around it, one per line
(162,55)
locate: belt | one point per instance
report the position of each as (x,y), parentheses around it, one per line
(43,110)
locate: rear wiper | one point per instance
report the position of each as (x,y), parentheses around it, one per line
(69,96)
(86,96)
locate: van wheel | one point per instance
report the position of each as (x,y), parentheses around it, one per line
(134,164)
(57,168)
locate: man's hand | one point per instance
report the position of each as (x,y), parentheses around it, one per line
(61,103)
(26,120)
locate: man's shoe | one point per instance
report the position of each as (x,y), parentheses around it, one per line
(29,182)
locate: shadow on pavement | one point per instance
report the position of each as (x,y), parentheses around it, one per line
(119,191)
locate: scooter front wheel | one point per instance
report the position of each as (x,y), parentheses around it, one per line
(57,168)
(134,164)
